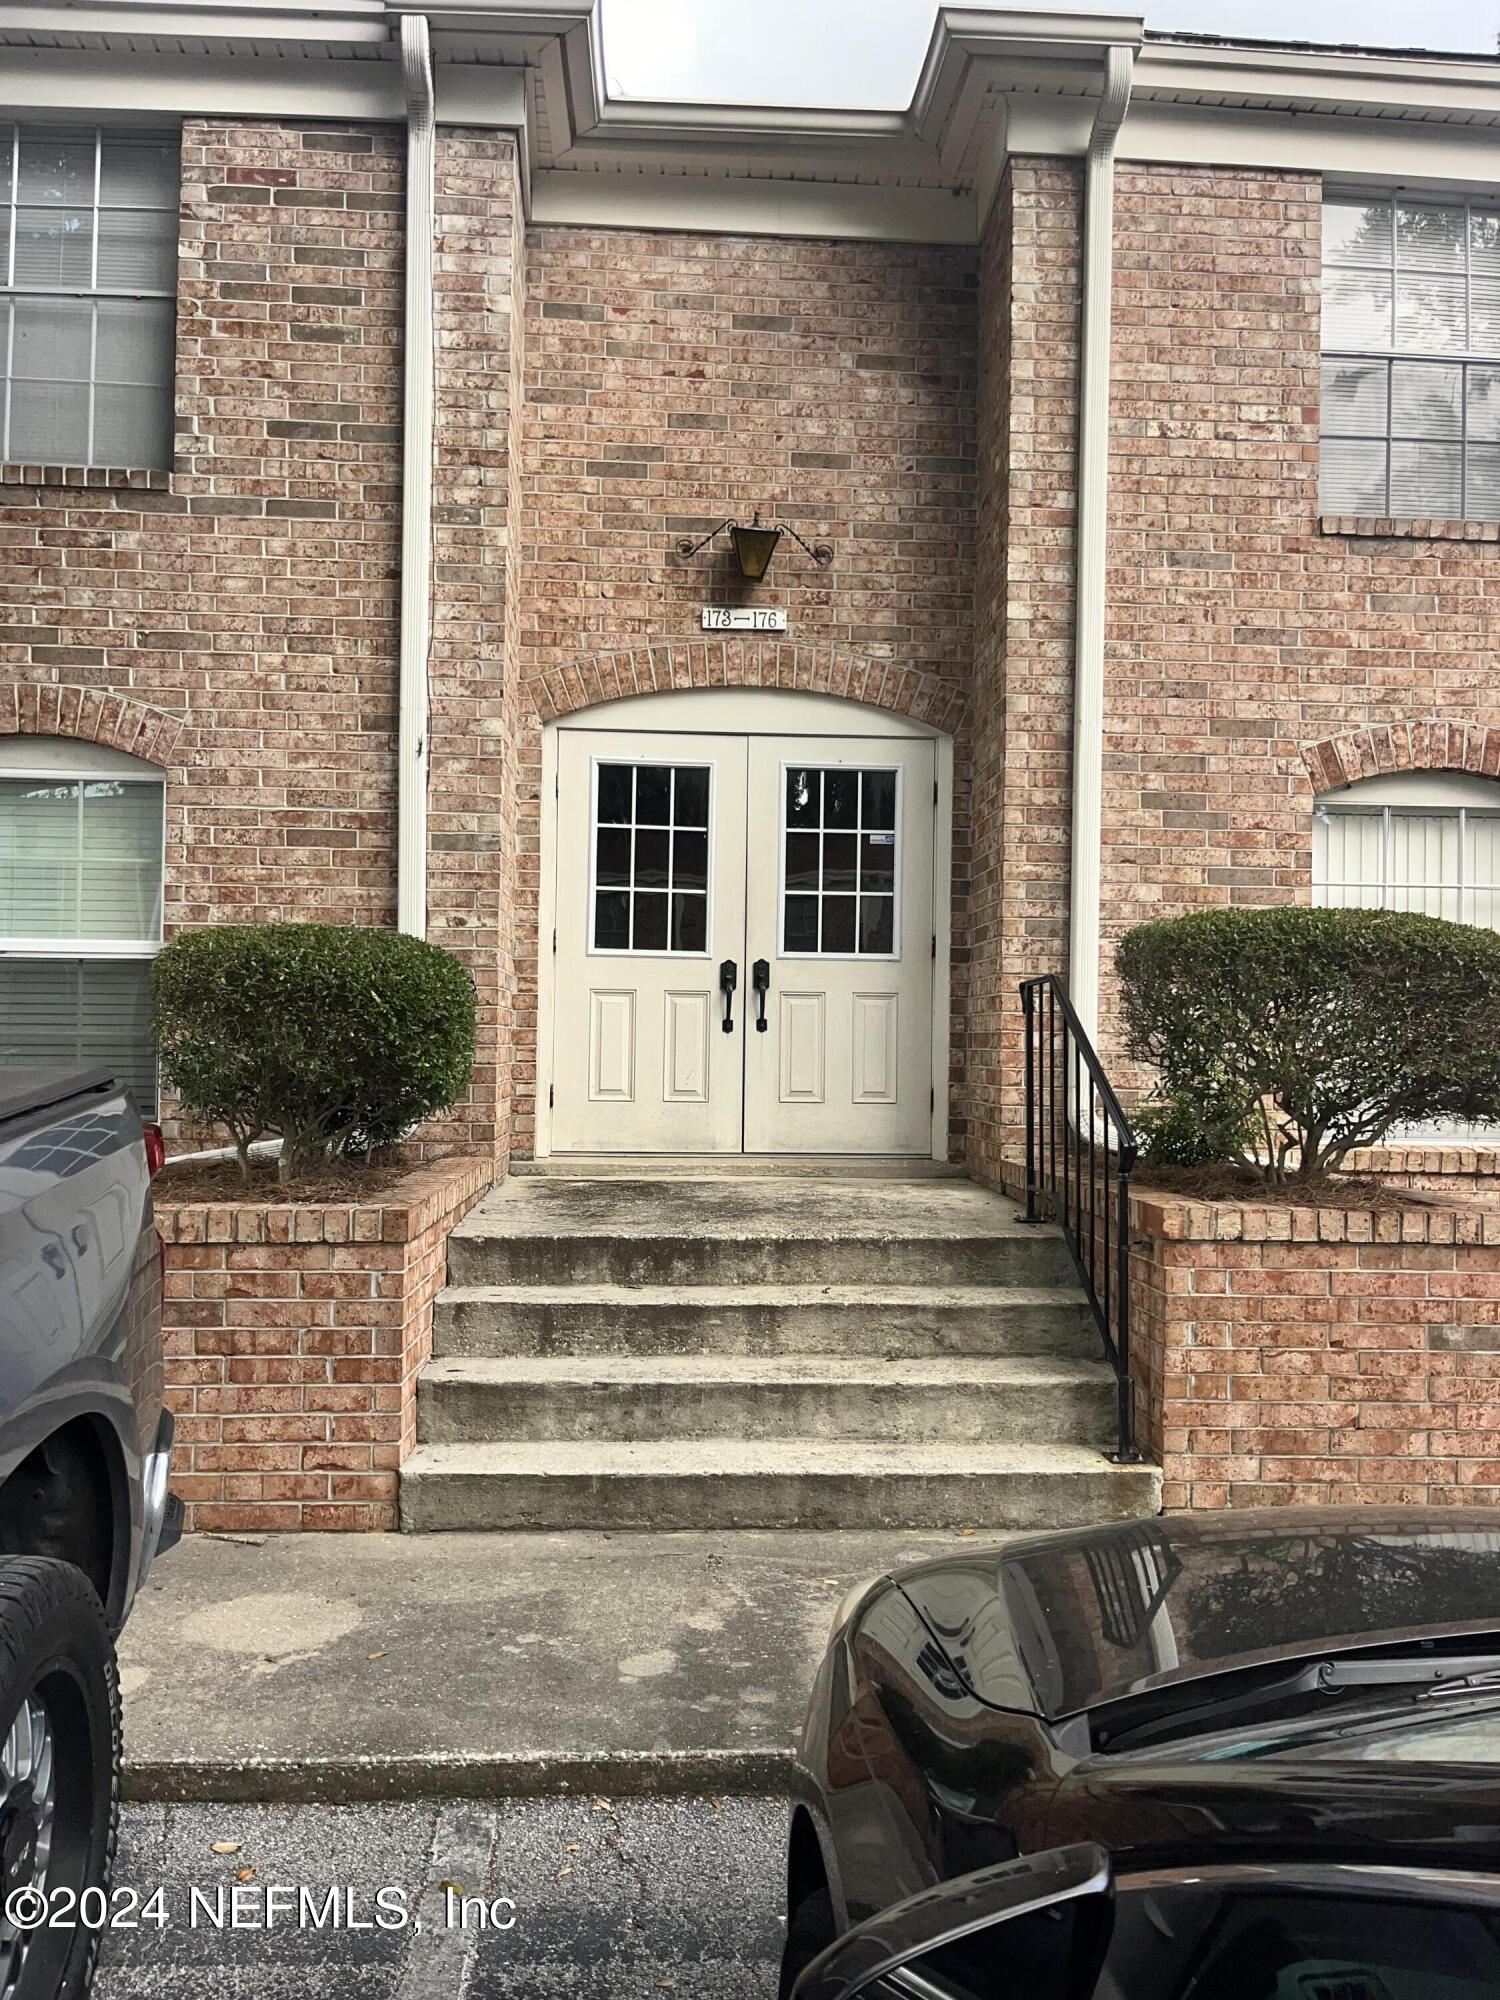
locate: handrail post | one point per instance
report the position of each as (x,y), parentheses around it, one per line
(1127,1453)
(1028,1010)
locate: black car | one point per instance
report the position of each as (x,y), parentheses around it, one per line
(1071,1925)
(1240,1688)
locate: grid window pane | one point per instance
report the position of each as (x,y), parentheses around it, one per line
(137,250)
(1427,399)
(839,849)
(1357,309)
(1354,398)
(1352,477)
(52,340)
(1356,231)
(88,277)
(54,249)
(1430,239)
(56,165)
(1411,363)
(650,869)
(1427,480)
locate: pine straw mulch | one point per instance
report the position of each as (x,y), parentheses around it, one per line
(1227,1183)
(221,1182)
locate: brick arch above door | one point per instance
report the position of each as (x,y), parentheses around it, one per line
(1380,749)
(92,715)
(742,662)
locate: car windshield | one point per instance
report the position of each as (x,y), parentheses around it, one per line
(1454,1728)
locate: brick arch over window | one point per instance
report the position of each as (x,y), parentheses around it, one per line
(92,715)
(1378,749)
(749,663)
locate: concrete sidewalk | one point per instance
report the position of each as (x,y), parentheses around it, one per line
(349,1667)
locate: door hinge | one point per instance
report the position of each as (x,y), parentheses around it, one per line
(551,1095)
(932,1098)
(934,791)
(934,945)
(554,940)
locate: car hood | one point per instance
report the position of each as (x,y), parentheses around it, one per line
(1056,1624)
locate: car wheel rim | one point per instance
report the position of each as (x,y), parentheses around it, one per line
(28,1824)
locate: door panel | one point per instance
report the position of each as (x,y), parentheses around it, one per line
(650,899)
(840,900)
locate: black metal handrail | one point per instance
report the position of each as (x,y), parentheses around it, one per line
(1080,1153)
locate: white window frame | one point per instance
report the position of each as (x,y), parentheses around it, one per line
(1463,359)
(93,290)
(90,767)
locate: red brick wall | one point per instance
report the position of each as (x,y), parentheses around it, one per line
(253,593)
(675,379)
(1318,1356)
(294,1336)
(479,268)
(1238,631)
(1023,628)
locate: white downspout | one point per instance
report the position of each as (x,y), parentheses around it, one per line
(1093,529)
(416,483)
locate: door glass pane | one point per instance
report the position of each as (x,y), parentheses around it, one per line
(689,923)
(690,795)
(838,923)
(616,785)
(653,795)
(613,863)
(649,922)
(689,860)
(839,847)
(651,858)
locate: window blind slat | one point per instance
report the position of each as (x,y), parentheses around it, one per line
(81,1011)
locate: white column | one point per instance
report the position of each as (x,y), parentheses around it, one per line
(1092,540)
(416,483)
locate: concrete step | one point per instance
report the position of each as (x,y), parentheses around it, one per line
(636,1399)
(750,1232)
(896,1321)
(793,1483)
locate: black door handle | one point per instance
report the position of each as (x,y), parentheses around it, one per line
(760,979)
(729,978)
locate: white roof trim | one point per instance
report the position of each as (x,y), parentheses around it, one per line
(994,80)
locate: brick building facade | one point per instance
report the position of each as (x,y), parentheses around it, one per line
(873,330)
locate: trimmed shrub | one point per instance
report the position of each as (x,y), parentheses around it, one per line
(336,1039)
(1285,1038)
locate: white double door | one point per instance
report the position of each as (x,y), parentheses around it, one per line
(744,944)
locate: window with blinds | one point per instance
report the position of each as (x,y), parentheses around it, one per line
(1411,359)
(1435,854)
(88,310)
(80,921)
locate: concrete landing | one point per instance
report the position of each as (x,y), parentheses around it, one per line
(350,1667)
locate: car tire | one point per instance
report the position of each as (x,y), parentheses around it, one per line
(809,1930)
(59,1772)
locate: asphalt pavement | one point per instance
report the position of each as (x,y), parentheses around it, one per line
(518,1900)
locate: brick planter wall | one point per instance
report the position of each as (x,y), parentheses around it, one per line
(1305,1357)
(294,1336)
